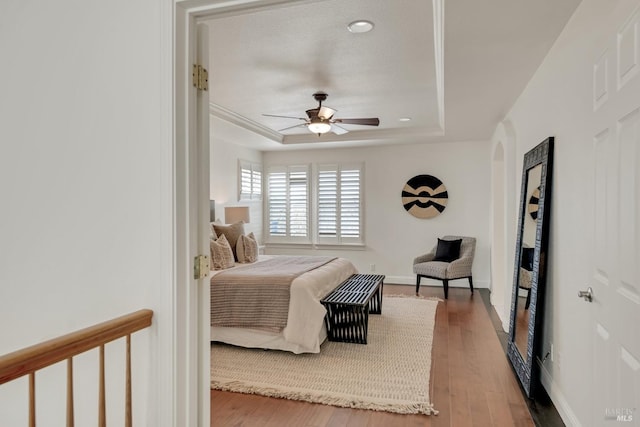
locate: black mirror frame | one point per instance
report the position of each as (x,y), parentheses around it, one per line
(528,370)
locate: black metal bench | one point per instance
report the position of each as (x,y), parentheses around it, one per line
(348,307)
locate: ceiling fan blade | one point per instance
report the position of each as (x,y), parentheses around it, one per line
(326,113)
(284,117)
(291,127)
(372,121)
(338,130)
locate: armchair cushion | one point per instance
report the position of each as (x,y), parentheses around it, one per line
(424,258)
(448,250)
(432,269)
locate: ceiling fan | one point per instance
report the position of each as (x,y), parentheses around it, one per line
(320,120)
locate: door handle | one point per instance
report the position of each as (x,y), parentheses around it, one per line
(587,295)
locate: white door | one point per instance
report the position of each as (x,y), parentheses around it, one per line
(615,276)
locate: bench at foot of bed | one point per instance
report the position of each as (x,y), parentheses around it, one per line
(348,307)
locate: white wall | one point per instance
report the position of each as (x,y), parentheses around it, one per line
(504,221)
(82,187)
(224,156)
(394,237)
(558,101)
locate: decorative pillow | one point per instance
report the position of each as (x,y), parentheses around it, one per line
(247,248)
(212,232)
(221,254)
(448,250)
(232,232)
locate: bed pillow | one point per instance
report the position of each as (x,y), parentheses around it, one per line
(448,250)
(247,248)
(221,254)
(232,232)
(212,233)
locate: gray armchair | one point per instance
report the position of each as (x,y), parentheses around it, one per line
(460,268)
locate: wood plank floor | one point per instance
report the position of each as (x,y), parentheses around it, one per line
(472,381)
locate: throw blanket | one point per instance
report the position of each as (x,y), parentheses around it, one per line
(257,295)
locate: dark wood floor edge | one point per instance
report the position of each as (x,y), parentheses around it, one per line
(495,319)
(542,410)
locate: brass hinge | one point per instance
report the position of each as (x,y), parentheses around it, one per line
(200,77)
(200,267)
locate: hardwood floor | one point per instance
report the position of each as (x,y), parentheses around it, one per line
(472,383)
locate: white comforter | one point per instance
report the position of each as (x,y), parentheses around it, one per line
(305,324)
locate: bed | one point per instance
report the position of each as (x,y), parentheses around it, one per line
(299,327)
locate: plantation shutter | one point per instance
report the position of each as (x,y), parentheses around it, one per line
(339,204)
(250,180)
(277,204)
(256,182)
(350,207)
(298,203)
(288,203)
(327,201)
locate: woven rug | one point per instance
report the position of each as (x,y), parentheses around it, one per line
(390,373)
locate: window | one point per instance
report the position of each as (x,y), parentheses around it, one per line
(288,203)
(336,216)
(249,180)
(339,203)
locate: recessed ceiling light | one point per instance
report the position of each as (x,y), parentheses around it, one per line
(405,119)
(360,26)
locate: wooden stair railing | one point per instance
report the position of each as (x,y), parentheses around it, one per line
(31,359)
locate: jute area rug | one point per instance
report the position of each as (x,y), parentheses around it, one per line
(390,373)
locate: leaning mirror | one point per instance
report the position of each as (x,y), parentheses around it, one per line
(527,297)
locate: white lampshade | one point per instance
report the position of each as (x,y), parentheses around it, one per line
(233,214)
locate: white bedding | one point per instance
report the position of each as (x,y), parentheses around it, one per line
(305,329)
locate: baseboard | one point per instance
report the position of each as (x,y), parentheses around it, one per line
(457,283)
(500,313)
(558,399)
(400,280)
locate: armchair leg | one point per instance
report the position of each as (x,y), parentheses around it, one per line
(471,283)
(417,285)
(445,284)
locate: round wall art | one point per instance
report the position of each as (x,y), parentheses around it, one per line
(424,196)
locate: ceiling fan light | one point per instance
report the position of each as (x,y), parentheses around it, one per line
(319,127)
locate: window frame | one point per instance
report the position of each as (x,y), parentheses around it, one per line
(313,215)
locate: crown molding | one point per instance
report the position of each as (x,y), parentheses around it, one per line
(238,120)
(380,136)
(384,136)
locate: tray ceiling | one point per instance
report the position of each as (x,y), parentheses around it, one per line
(454,68)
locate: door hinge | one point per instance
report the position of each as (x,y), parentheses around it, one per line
(200,267)
(200,77)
